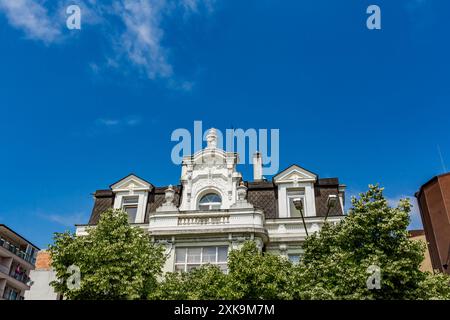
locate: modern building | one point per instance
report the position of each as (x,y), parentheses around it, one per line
(17,258)
(434,203)
(41,277)
(213,210)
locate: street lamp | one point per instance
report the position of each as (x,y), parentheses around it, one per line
(298,203)
(331,203)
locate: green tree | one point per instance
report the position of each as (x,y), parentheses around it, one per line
(336,260)
(251,275)
(205,283)
(257,275)
(116,260)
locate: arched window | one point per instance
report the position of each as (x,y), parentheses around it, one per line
(210,201)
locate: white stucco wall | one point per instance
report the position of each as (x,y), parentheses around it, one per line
(41,288)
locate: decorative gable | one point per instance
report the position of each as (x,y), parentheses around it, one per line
(294,174)
(211,170)
(130,183)
(132,189)
(295,182)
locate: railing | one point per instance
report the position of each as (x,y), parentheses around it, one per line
(16,250)
(22,277)
(189,221)
(215,220)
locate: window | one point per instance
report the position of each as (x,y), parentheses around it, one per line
(211,201)
(187,259)
(130,206)
(291,196)
(11,294)
(294,258)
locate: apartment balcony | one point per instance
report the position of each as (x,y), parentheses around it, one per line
(22,277)
(19,281)
(8,247)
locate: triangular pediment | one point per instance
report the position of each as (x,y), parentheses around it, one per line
(294,173)
(131,182)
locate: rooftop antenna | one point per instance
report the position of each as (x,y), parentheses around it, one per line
(442,159)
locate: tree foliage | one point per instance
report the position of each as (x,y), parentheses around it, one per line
(116,260)
(251,275)
(336,260)
(256,275)
(205,283)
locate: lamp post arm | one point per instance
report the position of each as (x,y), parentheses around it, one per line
(304,223)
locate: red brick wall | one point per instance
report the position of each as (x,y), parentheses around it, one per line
(43,260)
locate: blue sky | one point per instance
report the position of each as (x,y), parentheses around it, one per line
(83,108)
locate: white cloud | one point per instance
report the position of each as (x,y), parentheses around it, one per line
(31,17)
(130,121)
(133,121)
(108,122)
(141,39)
(67,220)
(136,40)
(193,6)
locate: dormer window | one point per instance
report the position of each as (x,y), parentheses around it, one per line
(293,194)
(130,206)
(210,201)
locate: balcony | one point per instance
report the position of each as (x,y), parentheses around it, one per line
(22,277)
(214,221)
(17,251)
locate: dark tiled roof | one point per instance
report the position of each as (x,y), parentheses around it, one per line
(328,182)
(322,192)
(263,195)
(104,199)
(156,199)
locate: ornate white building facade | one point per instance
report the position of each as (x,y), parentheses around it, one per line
(213,210)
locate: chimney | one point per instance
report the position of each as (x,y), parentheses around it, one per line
(257,167)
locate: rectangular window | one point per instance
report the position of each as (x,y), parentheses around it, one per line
(294,258)
(130,206)
(293,194)
(190,258)
(10,294)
